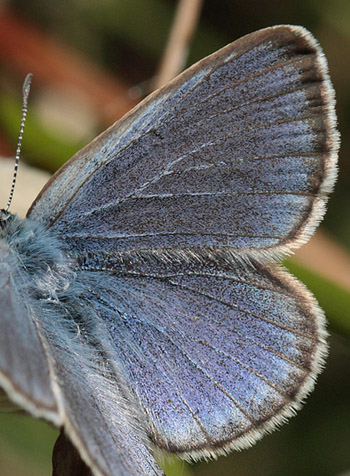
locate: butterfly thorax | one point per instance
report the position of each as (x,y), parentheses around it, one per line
(45,274)
(37,257)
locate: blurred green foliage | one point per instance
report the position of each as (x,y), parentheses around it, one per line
(334,300)
(25,445)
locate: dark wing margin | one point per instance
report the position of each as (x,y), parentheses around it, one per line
(216,356)
(238,152)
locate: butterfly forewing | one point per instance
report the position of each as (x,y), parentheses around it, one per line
(236,152)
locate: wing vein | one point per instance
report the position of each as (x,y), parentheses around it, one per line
(247,79)
(245,311)
(201,369)
(166,170)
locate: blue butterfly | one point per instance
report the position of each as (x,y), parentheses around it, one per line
(141,300)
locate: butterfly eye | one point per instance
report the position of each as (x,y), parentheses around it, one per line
(5,218)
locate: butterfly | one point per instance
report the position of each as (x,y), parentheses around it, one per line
(142,302)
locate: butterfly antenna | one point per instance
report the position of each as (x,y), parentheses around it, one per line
(25,94)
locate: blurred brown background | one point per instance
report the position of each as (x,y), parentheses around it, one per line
(93,60)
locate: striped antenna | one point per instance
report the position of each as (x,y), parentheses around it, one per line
(25,94)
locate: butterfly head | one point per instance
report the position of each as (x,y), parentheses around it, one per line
(5,218)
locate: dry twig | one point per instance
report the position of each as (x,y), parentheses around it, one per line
(174,58)
(66,460)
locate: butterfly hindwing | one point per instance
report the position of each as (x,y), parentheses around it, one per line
(99,414)
(216,355)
